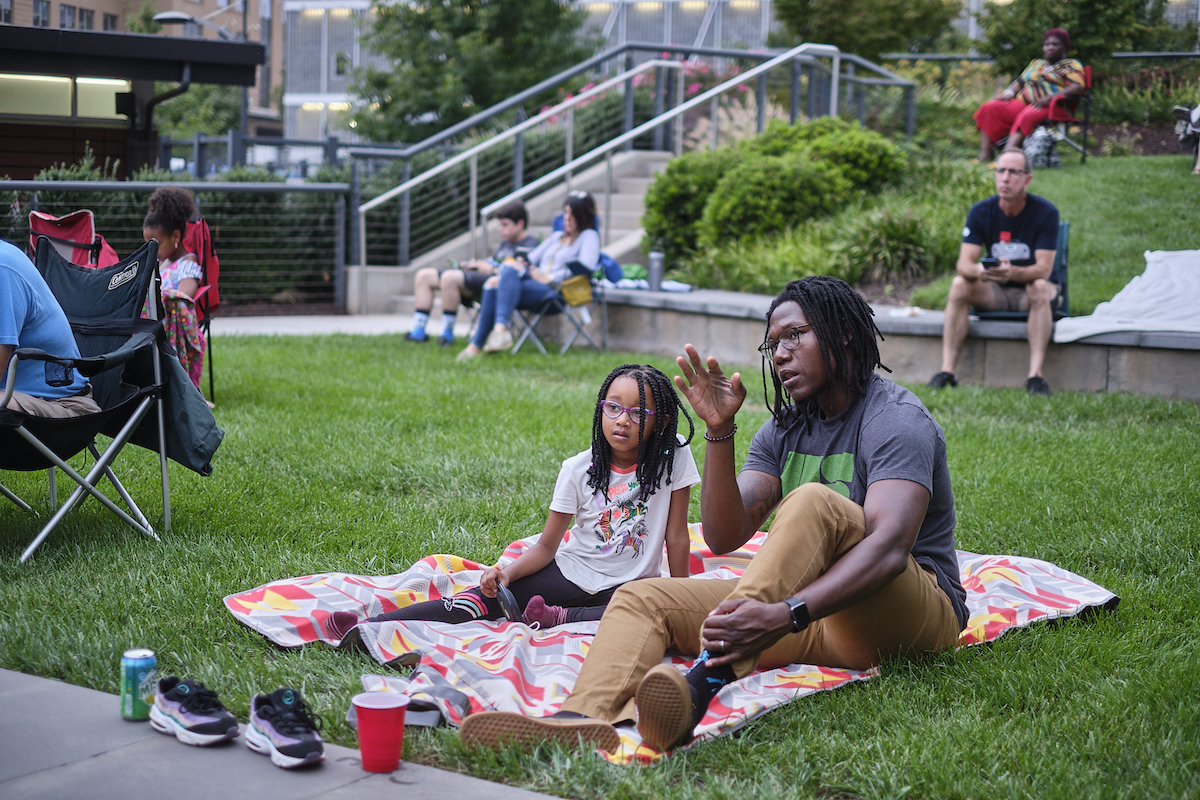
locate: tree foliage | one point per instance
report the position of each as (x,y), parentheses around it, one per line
(452,58)
(867,27)
(142,21)
(1014,31)
(205,107)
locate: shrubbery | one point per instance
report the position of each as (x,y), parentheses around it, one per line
(765,195)
(753,216)
(675,200)
(903,233)
(786,175)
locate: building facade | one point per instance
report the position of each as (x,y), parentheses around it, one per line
(217,19)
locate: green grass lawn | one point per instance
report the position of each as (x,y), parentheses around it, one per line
(1119,208)
(362,454)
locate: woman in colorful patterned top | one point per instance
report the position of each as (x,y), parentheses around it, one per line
(1025,103)
(170,209)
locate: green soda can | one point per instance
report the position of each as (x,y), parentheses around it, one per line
(139,679)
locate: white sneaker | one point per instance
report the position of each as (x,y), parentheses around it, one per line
(499,339)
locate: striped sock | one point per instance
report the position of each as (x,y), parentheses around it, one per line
(420,320)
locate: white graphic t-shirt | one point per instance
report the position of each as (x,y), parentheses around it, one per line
(618,538)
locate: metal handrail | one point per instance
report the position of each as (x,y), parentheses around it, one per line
(504,136)
(150,186)
(704,97)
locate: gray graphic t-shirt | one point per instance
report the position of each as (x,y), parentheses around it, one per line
(886,434)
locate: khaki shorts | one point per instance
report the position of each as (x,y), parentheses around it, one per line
(78,405)
(1012,297)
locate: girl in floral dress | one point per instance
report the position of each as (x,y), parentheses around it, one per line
(170,209)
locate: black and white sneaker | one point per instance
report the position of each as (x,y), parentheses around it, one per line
(1037,385)
(282,727)
(942,380)
(191,713)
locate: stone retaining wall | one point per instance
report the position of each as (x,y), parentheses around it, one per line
(730,325)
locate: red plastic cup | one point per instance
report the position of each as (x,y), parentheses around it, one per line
(380,729)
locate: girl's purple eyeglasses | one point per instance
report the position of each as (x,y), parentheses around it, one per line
(613,410)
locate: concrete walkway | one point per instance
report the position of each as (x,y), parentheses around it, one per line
(64,741)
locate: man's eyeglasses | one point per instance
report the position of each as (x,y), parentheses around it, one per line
(613,410)
(789,341)
(1002,171)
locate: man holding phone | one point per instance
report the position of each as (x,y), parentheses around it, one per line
(1006,263)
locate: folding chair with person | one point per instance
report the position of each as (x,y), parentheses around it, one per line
(576,300)
(198,239)
(132,373)
(1063,301)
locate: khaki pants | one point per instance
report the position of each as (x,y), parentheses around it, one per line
(77,406)
(813,528)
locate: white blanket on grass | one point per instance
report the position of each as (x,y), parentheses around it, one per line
(1166,297)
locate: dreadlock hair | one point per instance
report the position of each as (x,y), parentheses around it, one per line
(170,209)
(656,454)
(837,313)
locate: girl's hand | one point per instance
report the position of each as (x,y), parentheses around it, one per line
(491,581)
(714,396)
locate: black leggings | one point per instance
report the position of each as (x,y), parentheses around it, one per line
(471,604)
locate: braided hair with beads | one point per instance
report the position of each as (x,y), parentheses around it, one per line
(845,329)
(656,455)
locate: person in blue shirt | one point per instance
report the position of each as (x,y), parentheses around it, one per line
(30,316)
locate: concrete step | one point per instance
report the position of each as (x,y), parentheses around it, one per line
(636,186)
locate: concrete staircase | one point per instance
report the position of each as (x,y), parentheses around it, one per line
(620,233)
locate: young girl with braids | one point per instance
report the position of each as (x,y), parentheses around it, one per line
(170,209)
(628,494)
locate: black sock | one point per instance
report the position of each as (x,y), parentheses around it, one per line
(705,682)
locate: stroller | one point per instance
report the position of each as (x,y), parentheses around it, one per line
(1187,128)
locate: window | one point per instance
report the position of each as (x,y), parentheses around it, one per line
(41,13)
(6,12)
(192,30)
(110,22)
(341,64)
(66,17)
(87,19)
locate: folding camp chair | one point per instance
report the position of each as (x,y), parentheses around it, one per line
(119,354)
(1062,111)
(198,240)
(1062,114)
(576,308)
(73,236)
(1060,268)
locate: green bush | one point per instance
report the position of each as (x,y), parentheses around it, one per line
(781,138)
(676,199)
(764,266)
(864,157)
(766,195)
(910,231)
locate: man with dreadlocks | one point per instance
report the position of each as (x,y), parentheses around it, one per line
(859,564)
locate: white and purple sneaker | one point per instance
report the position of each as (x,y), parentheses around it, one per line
(283,727)
(191,713)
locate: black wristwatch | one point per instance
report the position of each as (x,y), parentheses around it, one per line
(800,617)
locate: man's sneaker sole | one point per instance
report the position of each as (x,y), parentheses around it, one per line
(259,742)
(664,706)
(495,729)
(165,723)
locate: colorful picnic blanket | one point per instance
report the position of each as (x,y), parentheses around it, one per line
(465,668)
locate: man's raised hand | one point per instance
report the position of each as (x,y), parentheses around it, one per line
(714,396)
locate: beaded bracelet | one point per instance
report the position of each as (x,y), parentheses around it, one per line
(729,435)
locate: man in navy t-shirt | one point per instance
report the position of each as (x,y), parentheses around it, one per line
(1020,232)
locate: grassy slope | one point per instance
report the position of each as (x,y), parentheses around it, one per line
(363,454)
(1118,209)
